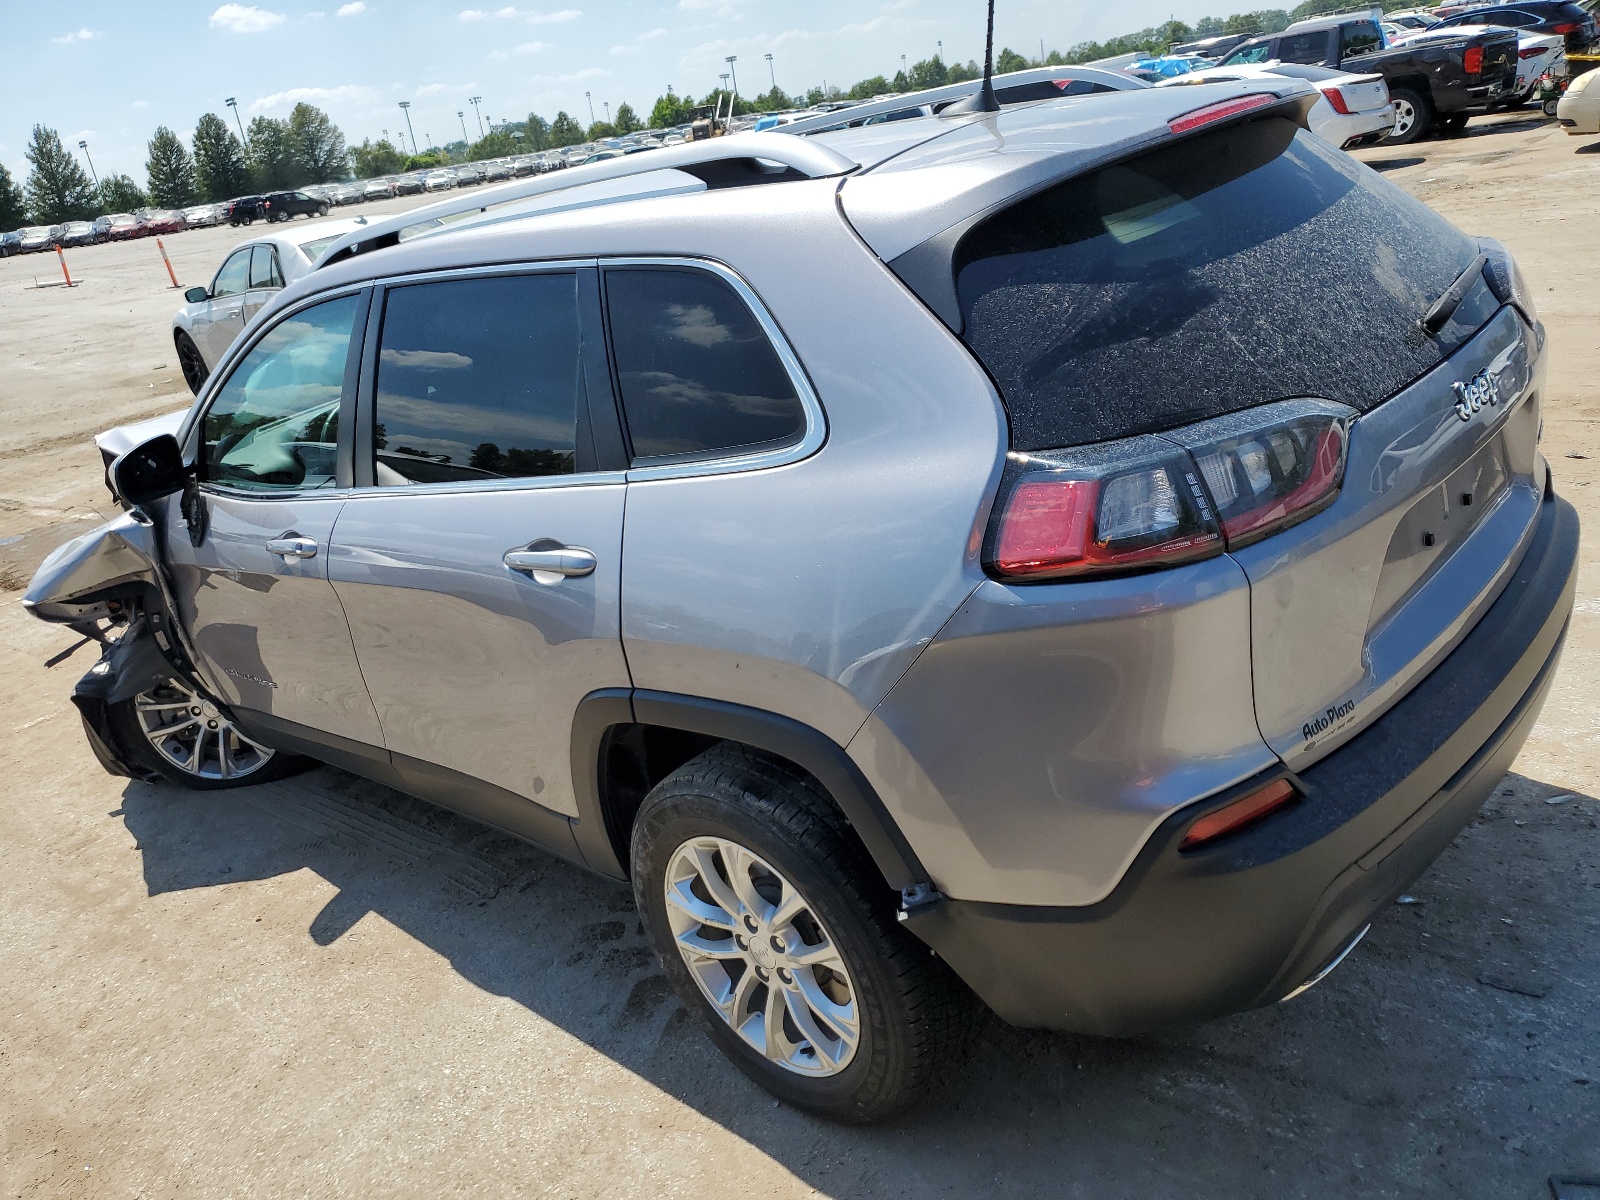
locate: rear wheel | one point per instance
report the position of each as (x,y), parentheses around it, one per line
(780,937)
(191,362)
(1412,116)
(1549,107)
(1453,125)
(191,742)
(322,210)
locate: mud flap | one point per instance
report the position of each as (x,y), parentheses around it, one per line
(131,665)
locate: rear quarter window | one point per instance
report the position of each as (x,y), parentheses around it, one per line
(1245,265)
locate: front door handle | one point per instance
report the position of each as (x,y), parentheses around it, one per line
(293,546)
(550,562)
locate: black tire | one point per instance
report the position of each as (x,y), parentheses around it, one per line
(1549,107)
(246,219)
(191,362)
(322,210)
(130,735)
(913,1012)
(1453,125)
(1413,116)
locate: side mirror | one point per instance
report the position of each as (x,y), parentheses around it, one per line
(196,294)
(149,471)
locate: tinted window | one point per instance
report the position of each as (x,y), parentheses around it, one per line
(697,372)
(1250,54)
(264,268)
(1360,37)
(275,424)
(478,379)
(234,276)
(1246,265)
(1308,47)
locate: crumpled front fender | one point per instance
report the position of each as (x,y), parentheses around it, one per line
(75,582)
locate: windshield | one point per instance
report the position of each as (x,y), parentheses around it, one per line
(1251,264)
(313,250)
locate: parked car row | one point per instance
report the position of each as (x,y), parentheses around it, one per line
(116,227)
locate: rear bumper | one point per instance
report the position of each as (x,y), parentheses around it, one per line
(1245,922)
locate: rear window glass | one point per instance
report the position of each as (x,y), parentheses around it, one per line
(1246,265)
(697,373)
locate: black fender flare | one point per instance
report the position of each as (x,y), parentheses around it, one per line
(811,750)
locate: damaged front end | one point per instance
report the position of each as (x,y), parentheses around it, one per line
(108,587)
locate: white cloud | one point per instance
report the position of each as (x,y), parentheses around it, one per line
(245,18)
(140,104)
(444,89)
(566,14)
(355,8)
(532,17)
(348,93)
(575,77)
(77,35)
(525,48)
(471,14)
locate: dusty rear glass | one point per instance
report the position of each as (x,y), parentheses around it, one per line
(1251,264)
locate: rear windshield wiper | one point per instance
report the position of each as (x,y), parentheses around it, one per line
(1445,306)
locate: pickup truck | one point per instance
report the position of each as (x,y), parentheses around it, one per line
(1434,83)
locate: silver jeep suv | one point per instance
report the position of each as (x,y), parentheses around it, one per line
(1092,554)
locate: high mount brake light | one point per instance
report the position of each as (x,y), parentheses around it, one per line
(1157,501)
(1336,101)
(1220,111)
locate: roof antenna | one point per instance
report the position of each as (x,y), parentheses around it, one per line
(984,99)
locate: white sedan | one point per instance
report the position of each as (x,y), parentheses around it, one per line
(1351,110)
(1579,110)
(213,315)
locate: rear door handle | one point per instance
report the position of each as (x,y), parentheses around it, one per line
(551,563)
(293,546)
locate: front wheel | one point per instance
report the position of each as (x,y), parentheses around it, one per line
(191,362)
(1412,116)
(322,210)
(778,934)
(191,742)
(1549,107)
(247,219)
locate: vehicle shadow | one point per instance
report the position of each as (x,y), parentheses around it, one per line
(1403,1073)
(1591,148)
(1394,164)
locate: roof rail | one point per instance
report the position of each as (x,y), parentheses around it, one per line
(732,161)
(1019,83)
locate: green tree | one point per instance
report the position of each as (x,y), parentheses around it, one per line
(901,82)
(1009,61)
(371,159)
(171,171)
(536,133)
(868,88)
(496,144)
(272,166)
(316,147)
(961,72)
(627,120)
(119,193)
(58,190)
(13,209)
(220,166)
(426,162)
(929,73)
(773,101)
(564,131)
(1266,20)
(600,129)
(671,110)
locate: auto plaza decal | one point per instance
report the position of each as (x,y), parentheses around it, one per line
(1327,720)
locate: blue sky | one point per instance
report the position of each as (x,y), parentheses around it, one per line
(110,72)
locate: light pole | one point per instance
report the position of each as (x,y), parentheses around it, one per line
(903,65)
(476,102)
(730,61)
(234,104)
(405,106)
(463,118)
(772,73)
(590,100)
(941,50)
(607,105)
(84,146)
(724,78)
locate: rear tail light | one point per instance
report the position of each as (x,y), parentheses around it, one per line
(1220,111)
(1157,501)
(1530,52)
(1246,810)
(1565,27)
(1336,98)
(1472,60)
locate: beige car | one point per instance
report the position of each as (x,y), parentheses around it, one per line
(1579,110)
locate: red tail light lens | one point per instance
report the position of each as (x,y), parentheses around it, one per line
(1107,510)
(1286,464)
(1472,60)
(1530,52)
(1335,98)
(1246,810)
(1565,28)
(1219,112)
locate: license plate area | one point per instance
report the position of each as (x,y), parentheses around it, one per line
(1438,522)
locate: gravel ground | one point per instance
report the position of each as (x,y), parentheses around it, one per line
(321,988)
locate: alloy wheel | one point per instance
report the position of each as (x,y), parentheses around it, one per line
(192,365)
(195,736)
(761,957)
(1405,116)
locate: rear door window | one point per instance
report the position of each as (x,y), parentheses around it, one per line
(1308,47)
(1237,267)
(478,379)
(234,276)
(697,375)
(1359,37)
(264,268)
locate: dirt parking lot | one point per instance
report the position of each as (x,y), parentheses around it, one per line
(321,988)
